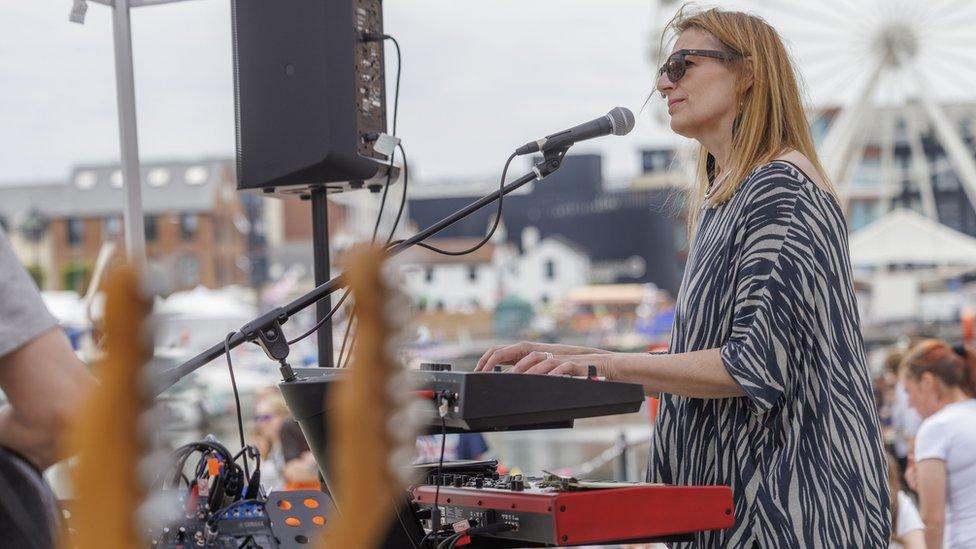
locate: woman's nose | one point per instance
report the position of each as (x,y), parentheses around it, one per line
(664,84)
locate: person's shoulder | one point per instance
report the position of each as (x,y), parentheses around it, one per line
(937,424)
(776,174)
(770,185)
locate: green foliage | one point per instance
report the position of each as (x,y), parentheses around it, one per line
(75,276)
(37,274)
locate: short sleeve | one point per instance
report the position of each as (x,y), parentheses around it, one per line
(23,315)
(908,518)
(757,349)
(932,441)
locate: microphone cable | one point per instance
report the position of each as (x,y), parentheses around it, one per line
(237,400)
(491,231)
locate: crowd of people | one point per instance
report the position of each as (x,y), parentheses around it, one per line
(928,412)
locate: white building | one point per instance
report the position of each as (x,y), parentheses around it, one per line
(544,272)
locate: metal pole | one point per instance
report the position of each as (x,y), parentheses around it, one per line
(920,164)
(835,148)
(320,255)
(620,464)
(135,236)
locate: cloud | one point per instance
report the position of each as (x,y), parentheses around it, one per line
(479,79)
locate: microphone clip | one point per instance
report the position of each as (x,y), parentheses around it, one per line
(551,160)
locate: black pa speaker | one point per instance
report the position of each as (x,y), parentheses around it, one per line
(308,92)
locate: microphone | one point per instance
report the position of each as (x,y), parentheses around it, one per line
(619,121)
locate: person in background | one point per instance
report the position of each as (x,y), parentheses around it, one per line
(300,472)
(290,464)
(44,382)
(907,529)
(941,381)
(904,420)
(457,447)
(270,413)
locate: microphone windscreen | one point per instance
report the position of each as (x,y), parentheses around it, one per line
(622,120)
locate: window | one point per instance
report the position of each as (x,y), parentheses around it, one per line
(550,269)
(188,226)
(188,270)
(76,231)
(150,222)
(111,227)
(472,273)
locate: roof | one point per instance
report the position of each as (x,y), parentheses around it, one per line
(96,190)
(904,237)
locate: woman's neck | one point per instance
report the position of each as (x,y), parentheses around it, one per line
(718,142)
(952,396)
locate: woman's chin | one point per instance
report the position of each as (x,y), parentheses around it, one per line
(681,127)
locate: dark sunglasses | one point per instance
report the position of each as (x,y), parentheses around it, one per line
(676,66)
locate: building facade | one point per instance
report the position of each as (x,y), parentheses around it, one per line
(199,230)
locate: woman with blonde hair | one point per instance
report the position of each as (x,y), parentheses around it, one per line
(765,387)
(941,381)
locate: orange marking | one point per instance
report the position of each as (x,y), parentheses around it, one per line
(319,519)
(311,503)
(292,521)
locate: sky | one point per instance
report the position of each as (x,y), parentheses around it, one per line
(479,78)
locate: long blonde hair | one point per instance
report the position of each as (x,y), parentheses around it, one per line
(771,120)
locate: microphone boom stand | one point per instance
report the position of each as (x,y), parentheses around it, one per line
(266,329)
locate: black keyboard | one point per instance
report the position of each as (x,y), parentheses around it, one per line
(486,401)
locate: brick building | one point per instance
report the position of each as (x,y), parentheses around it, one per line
(199,229)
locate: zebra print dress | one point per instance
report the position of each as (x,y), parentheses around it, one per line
(768,281)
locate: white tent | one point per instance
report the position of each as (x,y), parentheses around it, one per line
(904,237)
(195,319)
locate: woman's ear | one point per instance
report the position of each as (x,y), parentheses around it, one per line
(747,76)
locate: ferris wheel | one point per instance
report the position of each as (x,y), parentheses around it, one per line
(880,74)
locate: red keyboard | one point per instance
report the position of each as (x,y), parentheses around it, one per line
(635,513)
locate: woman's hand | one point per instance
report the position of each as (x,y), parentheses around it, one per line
(499,355)
(573,365)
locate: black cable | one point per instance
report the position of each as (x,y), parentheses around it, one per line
(494,225)
(450,541)
(342,349)
(426,537)
(322,321)
(435,511)
(237,402)
(249,451)
(396,105)
(403,197)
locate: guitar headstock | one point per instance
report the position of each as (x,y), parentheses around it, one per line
(374,435)
(108,436)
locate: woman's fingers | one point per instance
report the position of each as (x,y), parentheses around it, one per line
(484,358)
(529,361)
(506,354)
(568,369)
(545,366)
